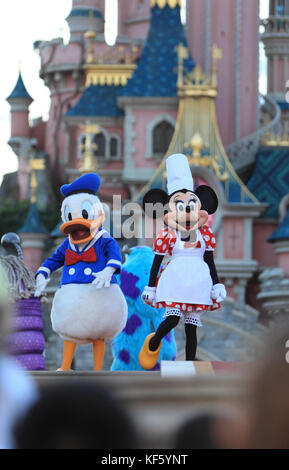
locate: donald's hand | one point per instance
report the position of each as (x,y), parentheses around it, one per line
(149,295)
(103,278)
(218,293)
(41,283)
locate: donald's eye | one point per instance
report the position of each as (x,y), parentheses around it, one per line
(180,206)
(87,211)
(67,214)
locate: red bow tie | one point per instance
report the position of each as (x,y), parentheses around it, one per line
(71,257)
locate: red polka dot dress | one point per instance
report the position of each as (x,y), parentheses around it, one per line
(184,284)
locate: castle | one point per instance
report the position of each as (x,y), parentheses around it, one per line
(165,87)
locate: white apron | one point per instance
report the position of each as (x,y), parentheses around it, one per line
(186,278)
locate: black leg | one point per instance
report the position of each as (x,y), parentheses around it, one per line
(165,327)
(191,342)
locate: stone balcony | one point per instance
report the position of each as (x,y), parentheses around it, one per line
(276,25)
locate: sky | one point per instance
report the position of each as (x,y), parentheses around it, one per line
(24,22)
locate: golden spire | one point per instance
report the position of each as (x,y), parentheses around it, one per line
(217,54)
(183,54)
(34,165)
(89,163)
(91,35)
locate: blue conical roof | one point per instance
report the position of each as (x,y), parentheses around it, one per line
(20,90)
(97,101)
(282,232)
(157,70)
(33,223)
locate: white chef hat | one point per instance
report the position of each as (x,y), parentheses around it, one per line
(179,174)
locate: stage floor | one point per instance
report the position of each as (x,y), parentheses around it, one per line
(159,405)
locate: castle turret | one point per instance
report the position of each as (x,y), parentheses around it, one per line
(80,17)
(20,101)
(275,39)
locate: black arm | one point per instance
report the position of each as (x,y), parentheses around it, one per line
(155,270)
(209,259)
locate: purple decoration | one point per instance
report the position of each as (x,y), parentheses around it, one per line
(124,356)
(168,338)
(128,284)
(31,361)
(27,341)
(157,368)
(133,323)
(27,323)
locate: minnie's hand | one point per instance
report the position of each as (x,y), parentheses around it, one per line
(218,293)
(149,295)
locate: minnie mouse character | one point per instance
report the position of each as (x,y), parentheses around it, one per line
(188,285)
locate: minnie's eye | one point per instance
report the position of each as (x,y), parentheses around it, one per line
(87,211)
(67,214)
(192,204)
(180,206)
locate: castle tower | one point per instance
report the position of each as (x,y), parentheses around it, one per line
(149,99)
(275,39)
(79,19)
(20,140)
(234,27)
(20,101)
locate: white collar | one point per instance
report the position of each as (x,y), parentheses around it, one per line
(96,237)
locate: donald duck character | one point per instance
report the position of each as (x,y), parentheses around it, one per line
(89,307)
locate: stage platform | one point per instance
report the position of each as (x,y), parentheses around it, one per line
(158,405)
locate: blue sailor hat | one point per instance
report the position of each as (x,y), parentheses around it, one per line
(89,183)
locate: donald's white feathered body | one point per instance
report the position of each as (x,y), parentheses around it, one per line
(89,306)
(82,314)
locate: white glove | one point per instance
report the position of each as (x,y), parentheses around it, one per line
(41,283)
(103,278)
(149,295)
(218,292)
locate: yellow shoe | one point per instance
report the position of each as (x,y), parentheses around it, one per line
(148,359)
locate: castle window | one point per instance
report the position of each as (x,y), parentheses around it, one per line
(103,145)
(281,8)
(99,146)
(113,147)
(162,136)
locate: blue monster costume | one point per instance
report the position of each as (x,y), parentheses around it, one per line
(142,319)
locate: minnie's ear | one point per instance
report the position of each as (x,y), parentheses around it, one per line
(157,198)
(208,198)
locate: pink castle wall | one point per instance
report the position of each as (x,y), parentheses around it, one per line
(283,261)
(263,251)
(128,11)
(143,117)
(234,236)
(222,31)
(20,124)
